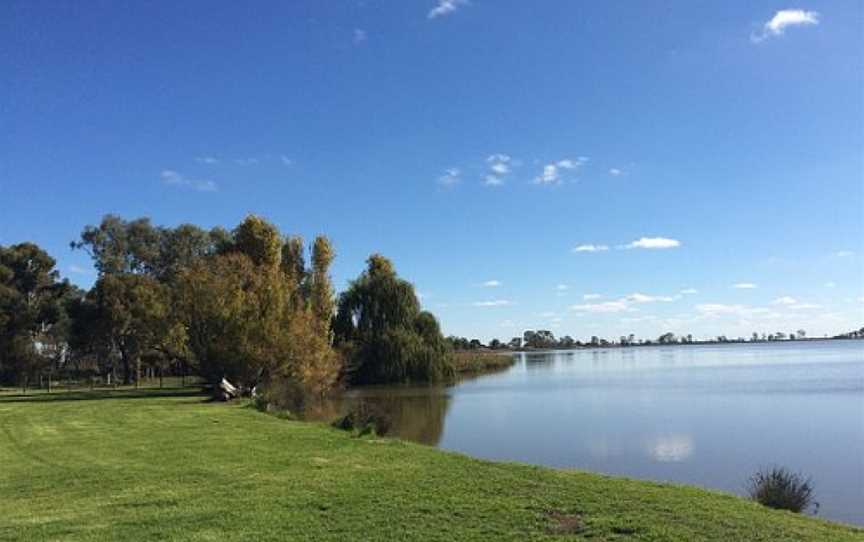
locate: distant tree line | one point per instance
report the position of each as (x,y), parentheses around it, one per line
(243,305)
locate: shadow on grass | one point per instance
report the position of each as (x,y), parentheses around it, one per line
(97,394)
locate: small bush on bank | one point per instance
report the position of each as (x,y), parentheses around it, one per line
(781,488)
(365,418)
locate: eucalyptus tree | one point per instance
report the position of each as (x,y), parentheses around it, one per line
(31,310)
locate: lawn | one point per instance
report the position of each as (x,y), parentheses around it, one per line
(151,465)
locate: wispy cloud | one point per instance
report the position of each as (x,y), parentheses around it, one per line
(744,286)
(606,307)
(173,178)
(209,160)
(446,7)
(689,291)
(500,165)
(451,177)
(590,248)
(77,270)
(830,284)
(653,243)
(615,172)
(844,253)
(491,284)
(562,287)
(624,304)
(247,161)
(285,160)
(553,172)
(359,36)
(644,298)
(784,19)
(492,303)
(785,300)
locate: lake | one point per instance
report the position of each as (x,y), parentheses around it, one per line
(705,415)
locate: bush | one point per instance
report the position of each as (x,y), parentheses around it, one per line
(364,418)
(781,488)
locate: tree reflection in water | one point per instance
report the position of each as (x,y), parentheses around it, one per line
(417,413)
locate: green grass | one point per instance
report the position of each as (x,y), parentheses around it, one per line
(150,465)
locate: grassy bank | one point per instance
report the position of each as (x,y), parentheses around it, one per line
(150,465)
(467,362)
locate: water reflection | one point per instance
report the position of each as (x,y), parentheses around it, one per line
(417,414)
(670,448)
(704,415)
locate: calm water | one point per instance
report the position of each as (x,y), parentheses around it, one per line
(704,415)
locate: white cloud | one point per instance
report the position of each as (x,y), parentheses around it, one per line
(173,178)
(642,298)
(689,291)
(246,161)
(446,7)
(744,286)
(79,270)
(588,297)
(492,283)
(784,19)
(615,172)
(551,173)
(285,160)
(492,303)
(785,300)
(830,284)
(451,176)
(654,243)
(359,36)
(500,165)
(804,306)
(562,287)
(844,253)
(591,248)
(606,307)
(207,160)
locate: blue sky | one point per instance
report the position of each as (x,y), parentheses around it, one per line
(686,147)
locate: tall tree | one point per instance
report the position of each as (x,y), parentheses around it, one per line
(380,326)
(31,310)
(134,315)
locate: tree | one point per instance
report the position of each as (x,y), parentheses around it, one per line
(120,246)
(31,309)
(133,314)
(666,338)
(383,332)
(320,288)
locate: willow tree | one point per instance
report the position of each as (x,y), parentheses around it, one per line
(384,333)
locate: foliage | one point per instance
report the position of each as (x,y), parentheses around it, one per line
(363,418)
(781,488)
(32,311)
(133,317)
(381,328)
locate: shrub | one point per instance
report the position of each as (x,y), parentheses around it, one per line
(781,488)
(364,418)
